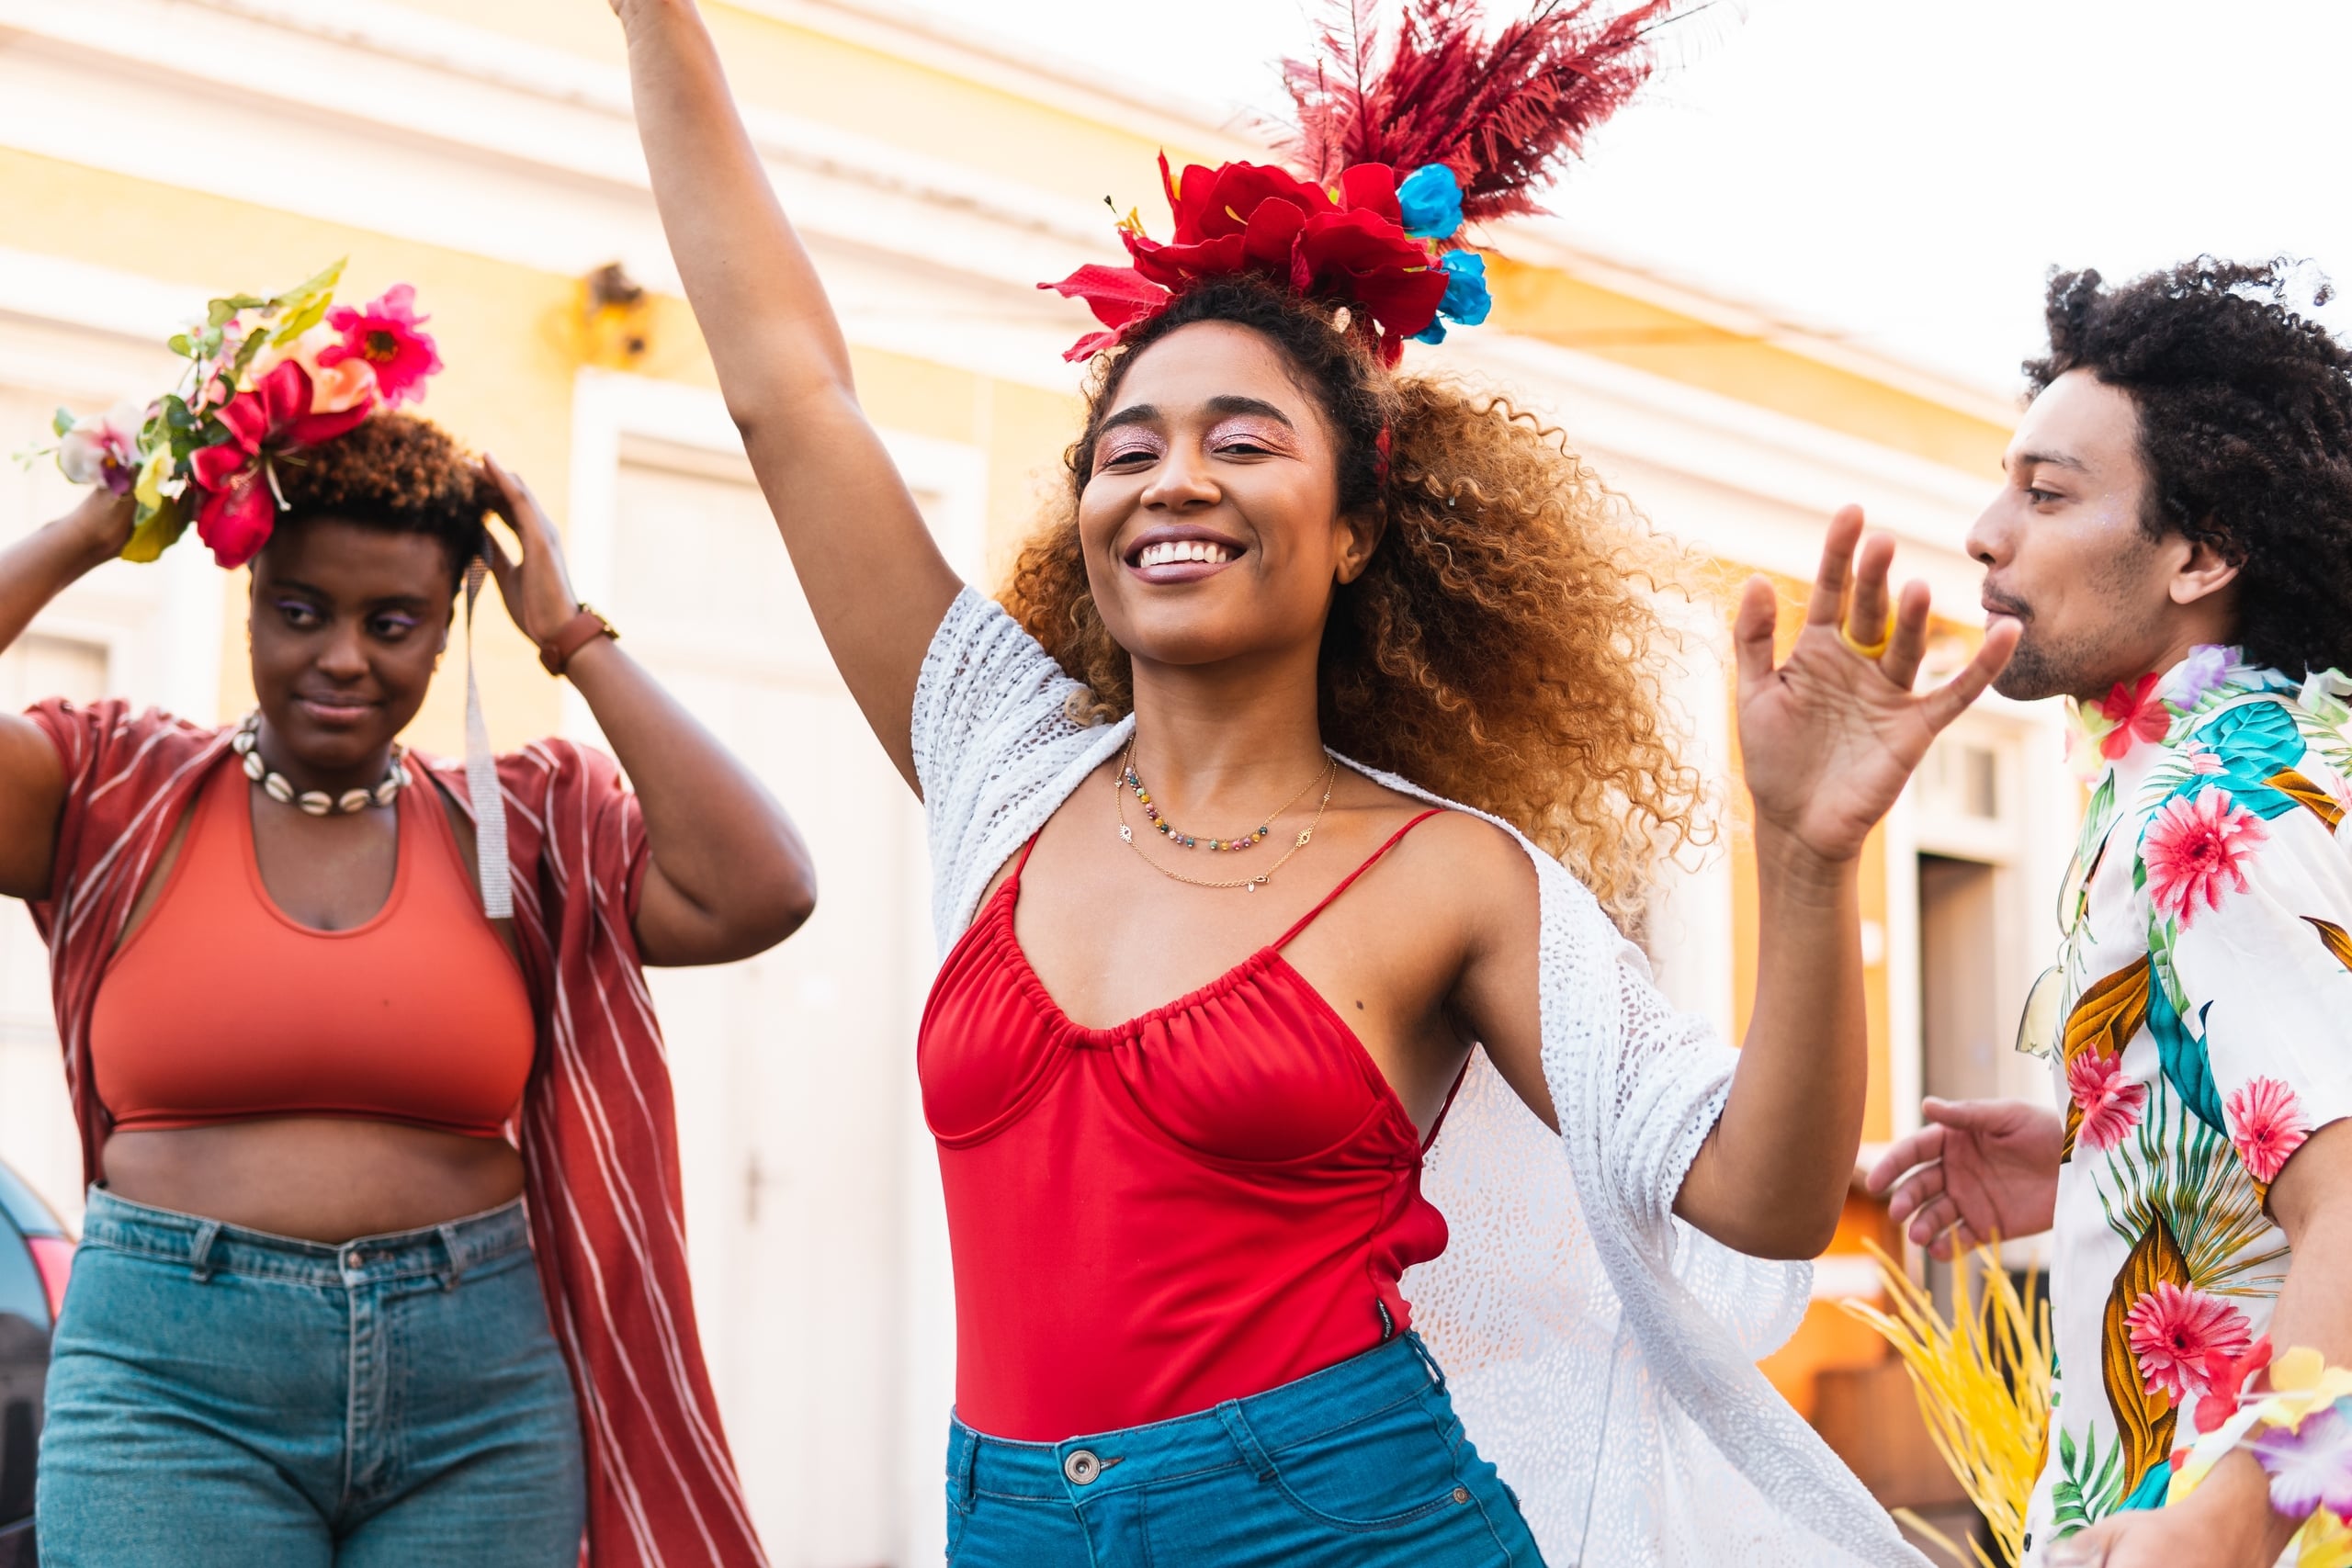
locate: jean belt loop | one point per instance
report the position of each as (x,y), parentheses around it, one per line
(1437,1374)
(199,1249)
(457,1266)
(968,1462)
(1253,1452)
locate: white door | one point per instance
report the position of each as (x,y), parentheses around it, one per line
(811,1190)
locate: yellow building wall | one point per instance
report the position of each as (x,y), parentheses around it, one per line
(1574,312)
(903,103)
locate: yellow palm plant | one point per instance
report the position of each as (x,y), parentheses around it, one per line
(1983,1381)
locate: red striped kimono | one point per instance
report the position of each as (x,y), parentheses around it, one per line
(599,1141)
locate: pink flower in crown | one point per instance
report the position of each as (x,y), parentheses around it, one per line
(2138,714)
(383,332)
(2266,1124)
(2109,1101)
(2174,1333)
(2193,845)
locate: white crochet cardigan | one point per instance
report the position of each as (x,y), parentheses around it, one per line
(1601,1353)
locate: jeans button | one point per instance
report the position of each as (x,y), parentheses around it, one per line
(1081,1467)
(356,1262)
(1461,1493)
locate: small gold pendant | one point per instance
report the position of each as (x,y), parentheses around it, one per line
(1304,836)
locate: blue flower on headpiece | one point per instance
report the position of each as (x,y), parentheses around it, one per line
(1466,300)
(1431,199)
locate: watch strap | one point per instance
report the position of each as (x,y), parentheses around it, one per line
(575,634)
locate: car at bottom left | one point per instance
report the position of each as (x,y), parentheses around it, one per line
(36,1255)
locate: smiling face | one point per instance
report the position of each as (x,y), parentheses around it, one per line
(347,624)
(1210,515)
(2065,551)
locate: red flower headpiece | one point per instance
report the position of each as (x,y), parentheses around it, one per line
(1476,123)
(265,377)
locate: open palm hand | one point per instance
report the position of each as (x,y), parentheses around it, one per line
(1828,735)
(1976,1170)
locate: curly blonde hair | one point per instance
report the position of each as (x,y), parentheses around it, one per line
(1501,647)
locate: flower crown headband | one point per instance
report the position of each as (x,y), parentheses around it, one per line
(265,378)
(1476,123)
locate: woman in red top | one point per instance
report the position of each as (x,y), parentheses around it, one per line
(316,1079)
(1179,1226)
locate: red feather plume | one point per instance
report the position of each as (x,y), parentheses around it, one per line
(1503,112)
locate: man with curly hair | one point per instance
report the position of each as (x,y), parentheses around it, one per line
(2175,536)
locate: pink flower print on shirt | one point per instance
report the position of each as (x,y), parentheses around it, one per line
(2193,845)
(2204,761)
(2173,1332)
(2266,1124)
(2109,1101)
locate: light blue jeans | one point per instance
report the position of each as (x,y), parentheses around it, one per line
(220,1395)
(1361,1465)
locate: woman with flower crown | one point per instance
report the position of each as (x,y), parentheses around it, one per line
(1326,703)
(332,1010)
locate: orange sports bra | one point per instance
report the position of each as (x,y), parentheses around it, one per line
(221,1008)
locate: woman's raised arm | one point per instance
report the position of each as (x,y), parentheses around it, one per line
(874,576)
(34,570)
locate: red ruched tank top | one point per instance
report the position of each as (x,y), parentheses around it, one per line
(222,1007)
(1199,1204)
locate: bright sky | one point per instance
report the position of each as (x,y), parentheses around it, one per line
(1902,171)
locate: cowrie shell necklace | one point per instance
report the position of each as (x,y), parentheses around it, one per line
(246,744)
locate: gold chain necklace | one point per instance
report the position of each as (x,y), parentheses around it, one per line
(1248,884)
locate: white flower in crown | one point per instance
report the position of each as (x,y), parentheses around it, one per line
(104,449)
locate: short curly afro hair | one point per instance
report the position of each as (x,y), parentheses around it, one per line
(395,472)
(2245,427)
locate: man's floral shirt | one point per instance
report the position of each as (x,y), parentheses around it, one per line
(2208,1032)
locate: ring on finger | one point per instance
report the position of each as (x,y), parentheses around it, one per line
(1872,650)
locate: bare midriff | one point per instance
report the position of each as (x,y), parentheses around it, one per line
(319,1083)
(325,1178)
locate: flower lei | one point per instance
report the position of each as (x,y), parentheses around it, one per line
(2300,1432)
(1372,243)
(2112,728)
(267,377)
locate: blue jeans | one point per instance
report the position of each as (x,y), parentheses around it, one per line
(220,1395)
(1361,1465)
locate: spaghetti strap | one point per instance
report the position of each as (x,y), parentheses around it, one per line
(1394,839)
(1439,1125)
(1012,883)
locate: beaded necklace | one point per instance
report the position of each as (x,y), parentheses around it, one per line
(1176,835)
(1129,781)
